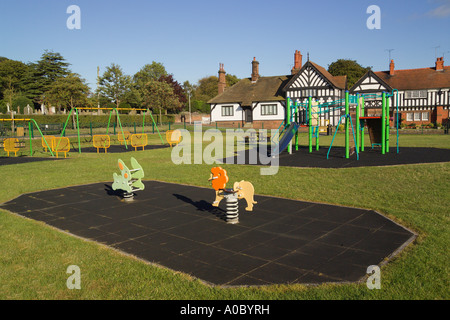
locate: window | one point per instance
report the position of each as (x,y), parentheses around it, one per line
(409,116)
(416,94)
(309,92)
(416,116)
(425,116)
(227,111)
(269,109)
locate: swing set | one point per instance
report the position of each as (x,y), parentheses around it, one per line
(103,141)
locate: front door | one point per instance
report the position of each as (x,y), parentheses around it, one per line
(248,115)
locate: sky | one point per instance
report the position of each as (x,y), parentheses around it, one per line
(191,38)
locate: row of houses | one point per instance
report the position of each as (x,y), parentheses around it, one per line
(422,95)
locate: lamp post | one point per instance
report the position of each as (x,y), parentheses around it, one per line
(190,116)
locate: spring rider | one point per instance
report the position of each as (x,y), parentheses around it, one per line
(128,181)
(240,190)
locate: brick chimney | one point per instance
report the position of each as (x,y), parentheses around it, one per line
(391,68)
(297,62)
(255,70)
(222,80)
(440,64)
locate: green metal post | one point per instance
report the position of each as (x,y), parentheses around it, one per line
(288,118)
(31,141)
(358,124)
(42,135)
(387,124)
(362,131)
(154,125)
(296,120)
(347,125)
(65,124)
(121,129)
(310,133)
(78,130)
(383,124)
(109,121)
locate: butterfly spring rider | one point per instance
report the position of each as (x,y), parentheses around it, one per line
(129,180)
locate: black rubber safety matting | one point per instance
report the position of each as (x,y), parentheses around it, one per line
(281,241)
(119,148)
(24,159)
(336,157)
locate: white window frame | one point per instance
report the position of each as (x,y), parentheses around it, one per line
(410,116)
(269,109)
(227,111)
(425,116)
(417,116)
(416,94)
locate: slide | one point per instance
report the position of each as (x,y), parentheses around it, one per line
(285,139)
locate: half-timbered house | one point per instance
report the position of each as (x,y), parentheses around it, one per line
(261,101)
(422,95)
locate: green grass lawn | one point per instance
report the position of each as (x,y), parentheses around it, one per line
(34,257)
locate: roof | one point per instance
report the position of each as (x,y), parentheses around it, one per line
(416,79)
(245,92)
(338,82)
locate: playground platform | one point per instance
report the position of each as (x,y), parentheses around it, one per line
(368,158)
(282,241)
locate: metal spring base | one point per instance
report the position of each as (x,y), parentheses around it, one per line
(232,214)
(127,196)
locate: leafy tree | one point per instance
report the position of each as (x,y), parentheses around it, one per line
(177,90)
(43,73)
(68,92)
(231,80)
(349,68)
(114,84)
(12,76)
(158,95)
(153,71)
(206,88)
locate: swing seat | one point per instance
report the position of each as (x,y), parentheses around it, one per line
(101,141)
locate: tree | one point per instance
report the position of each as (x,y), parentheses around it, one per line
(12,76)
(349,68)
(68,92)
(206,88)
(114,84)
(177,90)
(159,95)
(43,73)
(149,72)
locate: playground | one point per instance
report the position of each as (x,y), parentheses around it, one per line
(309,225)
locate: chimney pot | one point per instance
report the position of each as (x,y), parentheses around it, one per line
(297,62)
(440,64)
(222,80)
(255,70)
(391,68)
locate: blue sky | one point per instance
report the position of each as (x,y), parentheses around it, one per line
(191,38)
